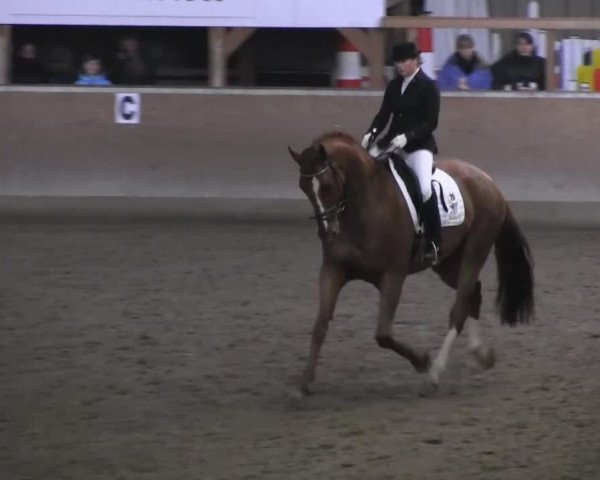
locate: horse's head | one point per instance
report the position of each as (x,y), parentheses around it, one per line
(323,183)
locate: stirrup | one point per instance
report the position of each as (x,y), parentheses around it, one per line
(432,253)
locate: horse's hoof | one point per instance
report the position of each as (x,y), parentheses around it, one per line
(489,360)
(296,395)
(428,388)
(305,391)
(424,364)
(486,358)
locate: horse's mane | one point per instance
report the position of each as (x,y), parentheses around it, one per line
(336,135)
(347,151)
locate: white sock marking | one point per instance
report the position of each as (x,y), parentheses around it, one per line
(474,340)
(441,360)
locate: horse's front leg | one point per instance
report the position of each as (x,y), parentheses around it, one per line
(390,289)
(331,281)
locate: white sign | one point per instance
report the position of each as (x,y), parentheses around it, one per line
(128,108)
(204,13)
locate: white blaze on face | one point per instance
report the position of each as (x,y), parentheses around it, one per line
(315,185)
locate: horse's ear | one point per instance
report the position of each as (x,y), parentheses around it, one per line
(322,152)
(295,156)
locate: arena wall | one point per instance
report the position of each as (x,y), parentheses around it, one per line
(228,144)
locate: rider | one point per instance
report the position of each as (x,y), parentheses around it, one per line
(413,99)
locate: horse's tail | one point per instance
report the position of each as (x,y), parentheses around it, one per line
(514,301)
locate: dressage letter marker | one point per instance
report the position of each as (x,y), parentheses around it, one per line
(128,108)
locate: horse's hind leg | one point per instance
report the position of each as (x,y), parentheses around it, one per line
(448,272)
(461,272)
(331,281)
(485,356)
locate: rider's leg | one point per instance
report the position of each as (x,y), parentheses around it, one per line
(433,227)
(421,162)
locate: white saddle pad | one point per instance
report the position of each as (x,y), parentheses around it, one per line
(443,184)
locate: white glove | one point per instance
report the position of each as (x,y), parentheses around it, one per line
(375,151)
(399,141)
(366,139)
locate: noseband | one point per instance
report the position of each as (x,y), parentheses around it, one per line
(334,209)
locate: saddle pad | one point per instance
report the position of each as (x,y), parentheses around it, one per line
(454,212)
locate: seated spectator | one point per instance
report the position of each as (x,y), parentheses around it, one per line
(91,72)
(59,65)
(26,68)
(129,66)
(464,70)
(520,69)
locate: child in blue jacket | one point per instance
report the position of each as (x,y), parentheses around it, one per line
(91,72)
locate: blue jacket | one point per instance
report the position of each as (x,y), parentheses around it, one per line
(450,74)
(93,80)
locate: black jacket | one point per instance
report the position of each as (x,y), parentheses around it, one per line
(415,113)
(514,69)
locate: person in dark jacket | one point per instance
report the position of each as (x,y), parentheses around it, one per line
(464,69)
(129,65)
(26,67)
(520,69)
(413,102)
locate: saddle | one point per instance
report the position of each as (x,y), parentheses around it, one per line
(412,183)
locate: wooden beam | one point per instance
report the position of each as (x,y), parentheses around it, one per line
(377,59)
(549,73)
(217,60)
(498,23)
(370,44)
(359,38)
(5,53)
(235,37)
(222,42)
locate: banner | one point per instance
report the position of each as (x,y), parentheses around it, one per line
(201,13)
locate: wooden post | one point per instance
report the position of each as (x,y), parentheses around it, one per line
(235,37)
(371,45)
(222,42)
(5,53)
(377,59)
(550,75)
(217,59)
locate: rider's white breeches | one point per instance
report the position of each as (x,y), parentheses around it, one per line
(421,162)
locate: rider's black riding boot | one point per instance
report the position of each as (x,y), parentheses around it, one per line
(433,228)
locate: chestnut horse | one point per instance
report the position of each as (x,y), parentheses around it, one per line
(367,233)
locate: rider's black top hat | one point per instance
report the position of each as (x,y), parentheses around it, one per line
(405,50)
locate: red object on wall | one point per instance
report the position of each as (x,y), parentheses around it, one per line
(425,44)
(425,39)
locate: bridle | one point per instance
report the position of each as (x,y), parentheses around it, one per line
(339,207)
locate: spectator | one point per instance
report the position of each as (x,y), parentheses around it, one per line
(59,65)
(520,69)
(26,66)
(129,66)
(91,72)
(464,70)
